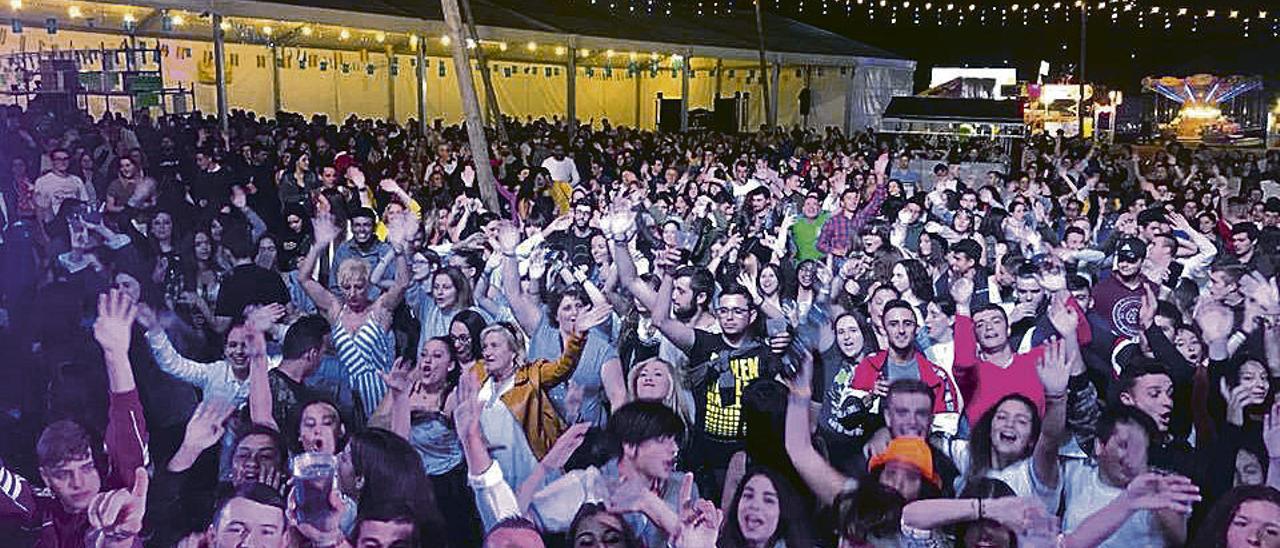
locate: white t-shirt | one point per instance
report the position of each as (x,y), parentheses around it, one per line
(1085,493)
(561,170)
(51,189)
(1019,476)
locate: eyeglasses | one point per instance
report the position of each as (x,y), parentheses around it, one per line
(735,310)
(61,158)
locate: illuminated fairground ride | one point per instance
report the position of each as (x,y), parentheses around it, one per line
(1208,108)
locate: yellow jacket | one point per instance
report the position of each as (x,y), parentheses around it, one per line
(528,399)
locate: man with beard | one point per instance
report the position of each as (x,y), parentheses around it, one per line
(564,174)
(1118,297)
(575,241)
(720,366)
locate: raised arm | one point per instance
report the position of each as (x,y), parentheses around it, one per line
(259,320)
(325,233)
(523,306)
(394,413)
(126,435)
(1170,495)
(818,474)
(675,330)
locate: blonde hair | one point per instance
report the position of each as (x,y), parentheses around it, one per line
(674,397)
(513,338)
(351,269)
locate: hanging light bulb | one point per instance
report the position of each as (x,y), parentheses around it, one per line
(15,5)
(445,40)
(609,53)
(502,46)
(560,50)
(177,20)
(345,34)
(413,40)
(531,46)
(306,31)
(73,11)
(584,52)
(267,30)
(380,37)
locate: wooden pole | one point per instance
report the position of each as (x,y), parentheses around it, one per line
(571,90)
(220,72)
(391,85)
(764,70)
(490,98)
(275,81)
(470,106)
(684,91)
(421,75)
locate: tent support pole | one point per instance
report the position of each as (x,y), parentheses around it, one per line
(391,85)
(764,69)
(638,76)
(571,90)
(684,91)
(421,75)
(776,76)
(490,97)
(470,106)
(276,105)
(220,71)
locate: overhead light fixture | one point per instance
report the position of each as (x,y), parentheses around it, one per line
(560,50)
(306,31)
(177,20)
(445,40)
(73,11)
(267,30)
(502,46)
(380,37)
(345,34)
(531,46)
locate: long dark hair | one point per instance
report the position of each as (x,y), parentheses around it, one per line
(792,527)
(980,439)
(918,278)
(475,324)
(1213,531)
(392,471)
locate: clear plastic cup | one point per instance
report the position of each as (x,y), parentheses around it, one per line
(313,479)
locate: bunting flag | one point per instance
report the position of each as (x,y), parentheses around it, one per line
(51,25)
(324,64)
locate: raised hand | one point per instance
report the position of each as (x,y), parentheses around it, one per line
(592,317)
(118,513)
(1216,322)
(699,525)
(565,445)
(325,231)
(114,326)
(206,425)
(1156,492)
(388,184)
(238,197)
(962,291)
(508,237)
(1147,312)
(1054,368)
(1064,318)
(402,227)
(403,375)
(629,495)
(1271,431)
(1237,398)
(260,318)
(1261,293)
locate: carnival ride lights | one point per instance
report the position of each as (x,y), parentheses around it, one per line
(1201,96)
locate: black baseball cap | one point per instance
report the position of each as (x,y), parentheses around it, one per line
(1131,250)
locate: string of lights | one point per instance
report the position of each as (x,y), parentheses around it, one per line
(1191,17)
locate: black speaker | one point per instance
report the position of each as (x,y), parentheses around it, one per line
(805,100)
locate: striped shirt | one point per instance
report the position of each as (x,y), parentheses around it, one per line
(370,349)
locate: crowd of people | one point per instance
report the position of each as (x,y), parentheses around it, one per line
(298,332)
